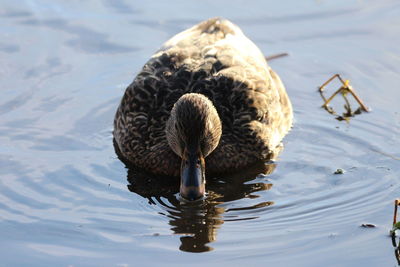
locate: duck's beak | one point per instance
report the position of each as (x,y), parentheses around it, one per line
(192,176)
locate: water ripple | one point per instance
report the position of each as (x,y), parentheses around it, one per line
(65,198)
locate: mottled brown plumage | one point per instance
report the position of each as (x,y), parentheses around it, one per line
(193,123)
(216,60)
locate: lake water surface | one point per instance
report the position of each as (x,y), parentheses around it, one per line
(64,196)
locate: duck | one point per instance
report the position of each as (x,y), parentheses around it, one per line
(205,103)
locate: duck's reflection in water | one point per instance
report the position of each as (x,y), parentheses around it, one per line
(198,221)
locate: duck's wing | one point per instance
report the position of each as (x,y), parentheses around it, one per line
(214,38)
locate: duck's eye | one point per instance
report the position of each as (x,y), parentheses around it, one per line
(198,162)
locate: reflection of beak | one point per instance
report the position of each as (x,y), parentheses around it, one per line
(192,176)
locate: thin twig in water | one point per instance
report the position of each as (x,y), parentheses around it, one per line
(385,154)
(396,225)
(346,88)
(271,57)
(396,204)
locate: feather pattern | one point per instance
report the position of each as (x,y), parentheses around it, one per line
(213,58)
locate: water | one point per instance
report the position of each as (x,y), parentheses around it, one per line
(64,195)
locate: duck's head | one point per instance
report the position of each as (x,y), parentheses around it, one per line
(193,131)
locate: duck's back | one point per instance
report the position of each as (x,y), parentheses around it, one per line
(213,58)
